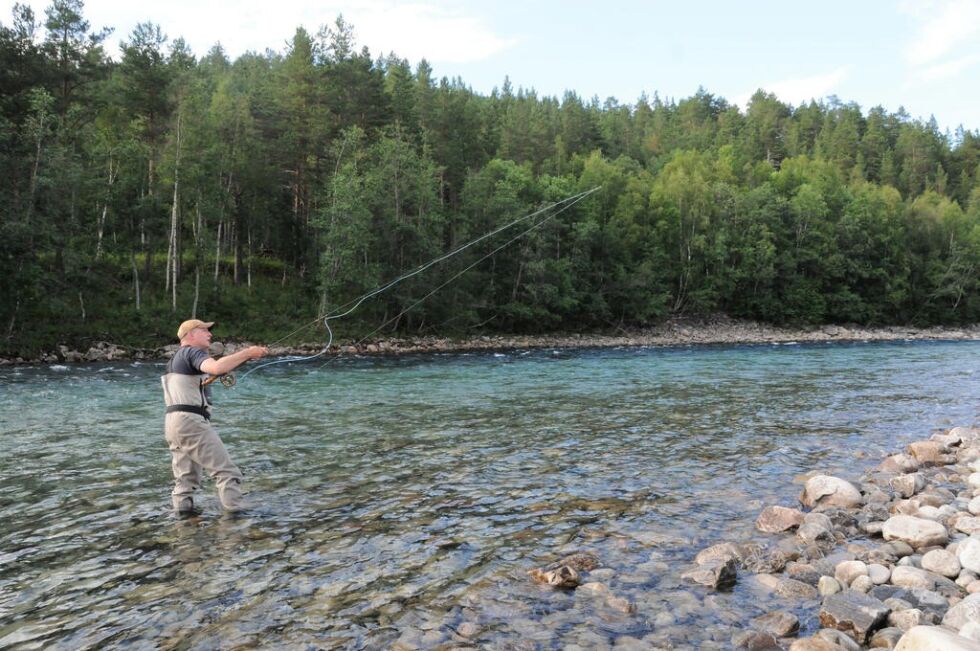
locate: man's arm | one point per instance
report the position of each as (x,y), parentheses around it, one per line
(229,363)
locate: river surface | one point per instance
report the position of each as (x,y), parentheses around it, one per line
(401,501)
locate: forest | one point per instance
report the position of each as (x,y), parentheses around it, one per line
(144,186)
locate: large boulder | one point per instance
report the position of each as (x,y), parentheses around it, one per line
(934,638)
(854,613)
(823,492)
(917,532)
(776,519)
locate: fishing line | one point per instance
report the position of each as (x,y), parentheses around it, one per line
(353,304)
(452,278)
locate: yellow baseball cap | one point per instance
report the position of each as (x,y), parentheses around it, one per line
(190,324)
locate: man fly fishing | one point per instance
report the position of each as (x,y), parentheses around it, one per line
(194,443)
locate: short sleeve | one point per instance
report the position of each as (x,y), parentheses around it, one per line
(196,357)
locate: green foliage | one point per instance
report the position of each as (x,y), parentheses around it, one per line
(264,190)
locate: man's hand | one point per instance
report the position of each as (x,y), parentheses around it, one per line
(255,352)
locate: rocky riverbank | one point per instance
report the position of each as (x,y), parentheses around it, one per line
(675,332)
(891,560)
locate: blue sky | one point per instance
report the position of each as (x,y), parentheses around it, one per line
(920,54)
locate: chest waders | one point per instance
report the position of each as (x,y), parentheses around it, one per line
(194,444)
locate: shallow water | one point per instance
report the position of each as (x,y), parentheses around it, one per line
(401,499)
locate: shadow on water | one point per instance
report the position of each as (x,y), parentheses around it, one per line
(405,499)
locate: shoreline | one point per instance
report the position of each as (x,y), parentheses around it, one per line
(887,560)
(676,332)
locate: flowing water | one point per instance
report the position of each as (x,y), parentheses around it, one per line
(400,502)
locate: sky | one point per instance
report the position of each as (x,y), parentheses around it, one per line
(923,55)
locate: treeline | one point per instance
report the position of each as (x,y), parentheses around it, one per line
(263,191)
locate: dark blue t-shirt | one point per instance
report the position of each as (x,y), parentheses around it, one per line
(187,361)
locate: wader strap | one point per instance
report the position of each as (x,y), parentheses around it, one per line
(193,409)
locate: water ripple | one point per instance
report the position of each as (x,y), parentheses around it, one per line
(400,498)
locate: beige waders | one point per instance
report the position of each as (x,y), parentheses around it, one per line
(194,445)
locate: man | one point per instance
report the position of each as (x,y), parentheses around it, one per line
(194,444)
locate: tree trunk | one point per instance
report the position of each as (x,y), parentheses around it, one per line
(236,245)
(32,190)
(217,255)
(105,209)
(197,290)
(249,262)
(136,281)
(173,252)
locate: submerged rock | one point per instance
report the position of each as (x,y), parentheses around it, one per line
(756,641)
(714,574)
(779,622)
(561,577)
(581,561)
(721,551)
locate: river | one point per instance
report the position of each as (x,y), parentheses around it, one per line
(401,501)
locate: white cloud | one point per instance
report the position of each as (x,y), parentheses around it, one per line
(950,24)
(416,31)
(947,69)
(800,89)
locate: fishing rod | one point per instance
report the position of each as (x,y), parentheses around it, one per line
(350,306)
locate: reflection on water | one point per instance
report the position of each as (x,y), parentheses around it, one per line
(403,500)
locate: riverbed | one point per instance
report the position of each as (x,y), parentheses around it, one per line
(400,501)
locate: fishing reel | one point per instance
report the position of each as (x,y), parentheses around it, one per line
(228,380)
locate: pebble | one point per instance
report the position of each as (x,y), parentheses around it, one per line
(828,585)
(941,562)
(879,573)
(778,622)
(847,571)
(468,629)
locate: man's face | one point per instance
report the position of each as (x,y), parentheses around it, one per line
(199,338)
